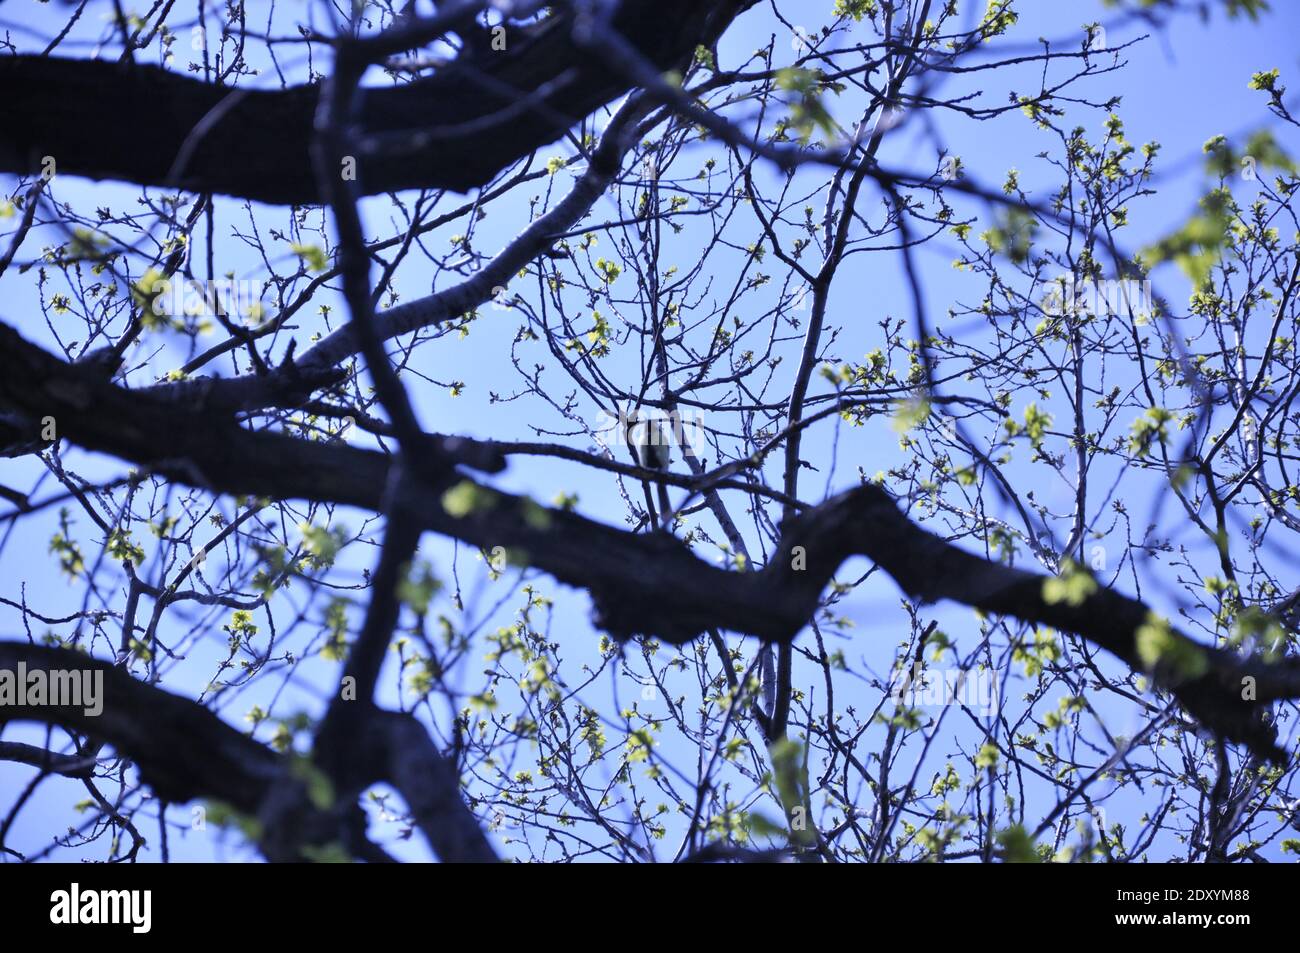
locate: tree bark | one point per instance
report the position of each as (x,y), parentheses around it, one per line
(453,130)
(640,584)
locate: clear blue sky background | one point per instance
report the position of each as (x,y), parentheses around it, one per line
(1181,86)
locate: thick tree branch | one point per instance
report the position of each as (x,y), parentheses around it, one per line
(430,785)
(182,750)
(640,584)
(109,120)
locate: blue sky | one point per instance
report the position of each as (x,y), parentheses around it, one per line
(1181,86)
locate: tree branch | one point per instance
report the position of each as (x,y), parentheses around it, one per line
(256,143)
(648,584)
